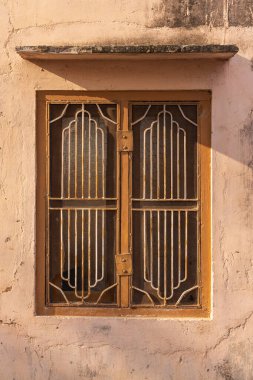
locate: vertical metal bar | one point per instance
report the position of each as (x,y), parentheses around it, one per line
(103,163)
(164,154)
(151,162)
(186,247)
(82,155)
(89,252)
(179,247)
(62,162)
(82,253)
(185,163)
(76,293)
(96,246)
(144,245)
(198,254)
(144,164)
(151,246)
(76,163)
(158,158)
(61,243)
(61,233)
(172,254)
(178,167)
(89,159)
(69,152)
(103,245)
(96,158)
(48,192)
(69,214)
(158,252)
(171,160)
(96,250)
(118,215)
(165,257)
(125,209)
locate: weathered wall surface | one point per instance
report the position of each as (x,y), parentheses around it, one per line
(71,348)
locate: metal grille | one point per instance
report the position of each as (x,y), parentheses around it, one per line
(165,205)
(82,203)
(87,157)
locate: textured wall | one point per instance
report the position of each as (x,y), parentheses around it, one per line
(71,348)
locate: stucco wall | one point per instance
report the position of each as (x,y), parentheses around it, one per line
(33,347)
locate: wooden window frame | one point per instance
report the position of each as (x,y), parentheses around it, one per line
(123,99)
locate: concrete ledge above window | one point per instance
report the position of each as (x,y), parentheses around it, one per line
(137,52)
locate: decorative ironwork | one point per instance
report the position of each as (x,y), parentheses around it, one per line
(84,262)
(161,231)
(82,217)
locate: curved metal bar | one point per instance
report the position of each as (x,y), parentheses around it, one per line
(143,291)
(60,290)
(104,291)
(143,117)
(184,293)
(61,115)
(185,117)
(105,117)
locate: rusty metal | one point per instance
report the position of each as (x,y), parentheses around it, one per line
(124,141)
(124,265)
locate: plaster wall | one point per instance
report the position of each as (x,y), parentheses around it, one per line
(33,347)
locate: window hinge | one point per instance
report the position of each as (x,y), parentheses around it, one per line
(124,265)
(125,141)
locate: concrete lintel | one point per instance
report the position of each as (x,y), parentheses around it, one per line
(139,52)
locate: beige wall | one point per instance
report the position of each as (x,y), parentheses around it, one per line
(98,348)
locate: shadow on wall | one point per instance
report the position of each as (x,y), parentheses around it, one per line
(231,83)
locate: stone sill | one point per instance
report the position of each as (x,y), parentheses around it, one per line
(138,52)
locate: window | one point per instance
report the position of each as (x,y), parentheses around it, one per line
(123,203)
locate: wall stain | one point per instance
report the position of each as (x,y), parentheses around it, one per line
(7,289)
(104,329)
(224,370)
(240,12)
(194,13)
(88,373)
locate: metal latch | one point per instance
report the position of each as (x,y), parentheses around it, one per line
(124,265)
(125,141)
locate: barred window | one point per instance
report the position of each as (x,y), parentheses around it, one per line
(123,203)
